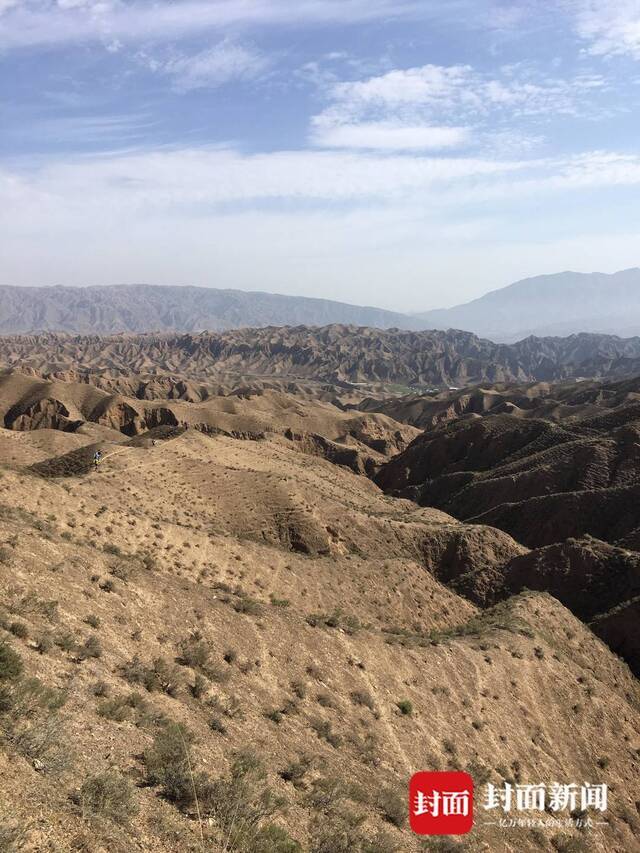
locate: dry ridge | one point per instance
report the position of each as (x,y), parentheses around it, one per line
(334,354)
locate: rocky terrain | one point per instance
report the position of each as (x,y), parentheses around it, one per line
(557,467)
(391,359)
(229,638)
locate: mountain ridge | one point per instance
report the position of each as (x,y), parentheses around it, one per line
(558,304)
(106,309)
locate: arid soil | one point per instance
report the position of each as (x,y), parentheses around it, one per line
(232,586)
(330,354)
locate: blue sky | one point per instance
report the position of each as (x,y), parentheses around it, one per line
(403,153)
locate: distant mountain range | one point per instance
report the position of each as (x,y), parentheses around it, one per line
(549,305)
(149,308)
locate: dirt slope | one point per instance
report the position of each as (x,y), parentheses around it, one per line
(309,605)
(359,441)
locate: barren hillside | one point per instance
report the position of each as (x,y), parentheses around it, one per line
(224,592)
(335,354)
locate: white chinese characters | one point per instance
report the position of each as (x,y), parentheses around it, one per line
(555,797)
(442,803)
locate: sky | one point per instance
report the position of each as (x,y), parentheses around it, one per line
(409,154)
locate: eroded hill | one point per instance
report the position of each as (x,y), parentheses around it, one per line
(331,354)
(557,467)
(268,601)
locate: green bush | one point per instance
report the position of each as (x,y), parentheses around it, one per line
(392,806)
(160,676)
(108,794)
(405,707)
(337,831)
(91,648)
(194,651)
(10,663)
(363,697)
(273,839)
(19,630)
(169,763)
(241,805)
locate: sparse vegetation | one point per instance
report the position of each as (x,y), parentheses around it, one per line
(348,623)
(324,730)
(169,761)
(10,662)
(109,795)
(166,676)
(19,630)
(194,651)
(216,725)
(91,648)
(392,805)
(160,676)
(363,697)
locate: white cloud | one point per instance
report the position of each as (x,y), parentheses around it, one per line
(195,183)
(210,68)
(306,221)
(612,27)
(433,106)
(387,135)
(44,22)
(462,90)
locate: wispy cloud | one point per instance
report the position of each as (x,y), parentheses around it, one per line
(321,218)
(41,22)
(387,135)
(210,68)
(195,181)
(460,89)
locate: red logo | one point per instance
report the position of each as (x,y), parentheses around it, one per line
(441,803)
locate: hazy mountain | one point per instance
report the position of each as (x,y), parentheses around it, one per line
(560,304)
(145,308)
(552,305)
